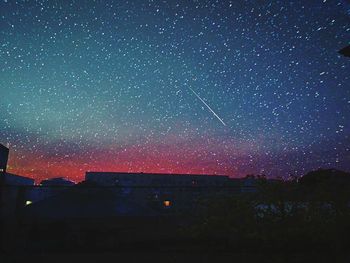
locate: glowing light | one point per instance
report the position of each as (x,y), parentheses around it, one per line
(166,203)
(28,202)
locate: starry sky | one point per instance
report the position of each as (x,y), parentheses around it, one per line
(210,87)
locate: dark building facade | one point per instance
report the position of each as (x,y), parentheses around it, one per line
(155,179)
(15,190)
(4,153)
(48,188)
(119,194)
(168,193)
(58,181)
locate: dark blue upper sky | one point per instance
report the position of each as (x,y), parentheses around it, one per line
(110,85)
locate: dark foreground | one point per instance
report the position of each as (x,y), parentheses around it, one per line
(163,239)
(172,256)
(282,222)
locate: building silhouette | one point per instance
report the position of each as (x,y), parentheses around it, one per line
(112,194)
(4,153)
(156,179)
(58,181)
(13,191)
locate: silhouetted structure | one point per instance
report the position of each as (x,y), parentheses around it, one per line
(345,51)
(48,188)
(4,153)
(87,203)
(13,193)
(117,194)
(330,177)
(155,179)
(59,181)
(113,211)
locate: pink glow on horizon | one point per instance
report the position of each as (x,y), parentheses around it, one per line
(182,161)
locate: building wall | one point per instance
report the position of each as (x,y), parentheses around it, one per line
(14,191)
(179,191)
(4,153)
(157,180)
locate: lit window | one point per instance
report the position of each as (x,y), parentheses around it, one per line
(167,203)
(28,202)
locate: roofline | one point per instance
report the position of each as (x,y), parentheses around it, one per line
(2,145)
(139,173)
(16,175)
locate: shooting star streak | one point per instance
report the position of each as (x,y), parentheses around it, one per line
(208,107)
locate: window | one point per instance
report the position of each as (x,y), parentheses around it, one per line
(166,203)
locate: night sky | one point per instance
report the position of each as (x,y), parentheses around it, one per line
(215,87)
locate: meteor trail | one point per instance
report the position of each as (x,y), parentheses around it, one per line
(208,106)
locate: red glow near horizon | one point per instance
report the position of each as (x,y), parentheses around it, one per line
(76,171)
(133,160)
